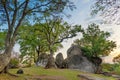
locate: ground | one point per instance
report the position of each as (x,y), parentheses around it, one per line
(38,73)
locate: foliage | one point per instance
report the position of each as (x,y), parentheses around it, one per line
(112,68)
(116,59)
(94,42)
(2,40)
(13,13)
(14,63)
(107,67)
(56,31)
(44,37)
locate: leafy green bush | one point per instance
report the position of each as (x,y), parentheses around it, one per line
(106,67)
(113,68)
(14,63)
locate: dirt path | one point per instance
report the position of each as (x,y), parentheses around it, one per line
(44,77)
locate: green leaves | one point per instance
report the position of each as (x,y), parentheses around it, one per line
(94,42)
(2,40)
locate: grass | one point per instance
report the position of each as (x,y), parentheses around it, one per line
(32,71)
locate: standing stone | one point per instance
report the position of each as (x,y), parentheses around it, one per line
(59,60)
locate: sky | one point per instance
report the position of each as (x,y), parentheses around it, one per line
(81,16)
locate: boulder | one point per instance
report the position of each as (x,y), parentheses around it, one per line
(74,50)
(76,60)
(59,60)
(20,71)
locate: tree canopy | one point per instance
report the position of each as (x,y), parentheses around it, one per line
(94,42)
(14,13)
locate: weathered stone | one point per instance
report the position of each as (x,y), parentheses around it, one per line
(20,71)
(76,60)
(74,50)
(59,60)
(81,63)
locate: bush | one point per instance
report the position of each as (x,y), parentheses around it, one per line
(112,68)
(106,67)
(14,63)
(117,70)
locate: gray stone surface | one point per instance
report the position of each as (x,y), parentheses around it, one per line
(76,60)
(74,50)
(59,60)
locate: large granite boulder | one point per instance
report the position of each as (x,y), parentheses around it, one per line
(76,60)
(59,60)
(74,50)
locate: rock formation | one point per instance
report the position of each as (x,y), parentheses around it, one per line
(76,60)
(59,60)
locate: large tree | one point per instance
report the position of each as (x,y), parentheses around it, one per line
(108,9)
(34,42)
(14,12)
(54,32)
(94,42)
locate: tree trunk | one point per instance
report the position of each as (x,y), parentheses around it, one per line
(51,61)
(5,59)
(97,61)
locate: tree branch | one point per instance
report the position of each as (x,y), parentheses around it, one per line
(34,9)
(14,14)
(20,21)
(6,12)
(61,40)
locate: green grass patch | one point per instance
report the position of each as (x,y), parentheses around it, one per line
(33,71)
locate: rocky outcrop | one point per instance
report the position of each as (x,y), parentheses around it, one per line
(76,60)
(74,50)
(59,60)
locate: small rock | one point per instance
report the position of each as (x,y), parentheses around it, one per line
(20,71)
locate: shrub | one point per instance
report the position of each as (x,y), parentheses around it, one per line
(106,67)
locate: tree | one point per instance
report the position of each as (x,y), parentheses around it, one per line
(116,59)
(54,32)
(94,42)
(13,13)
(34,42)
(108,9)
